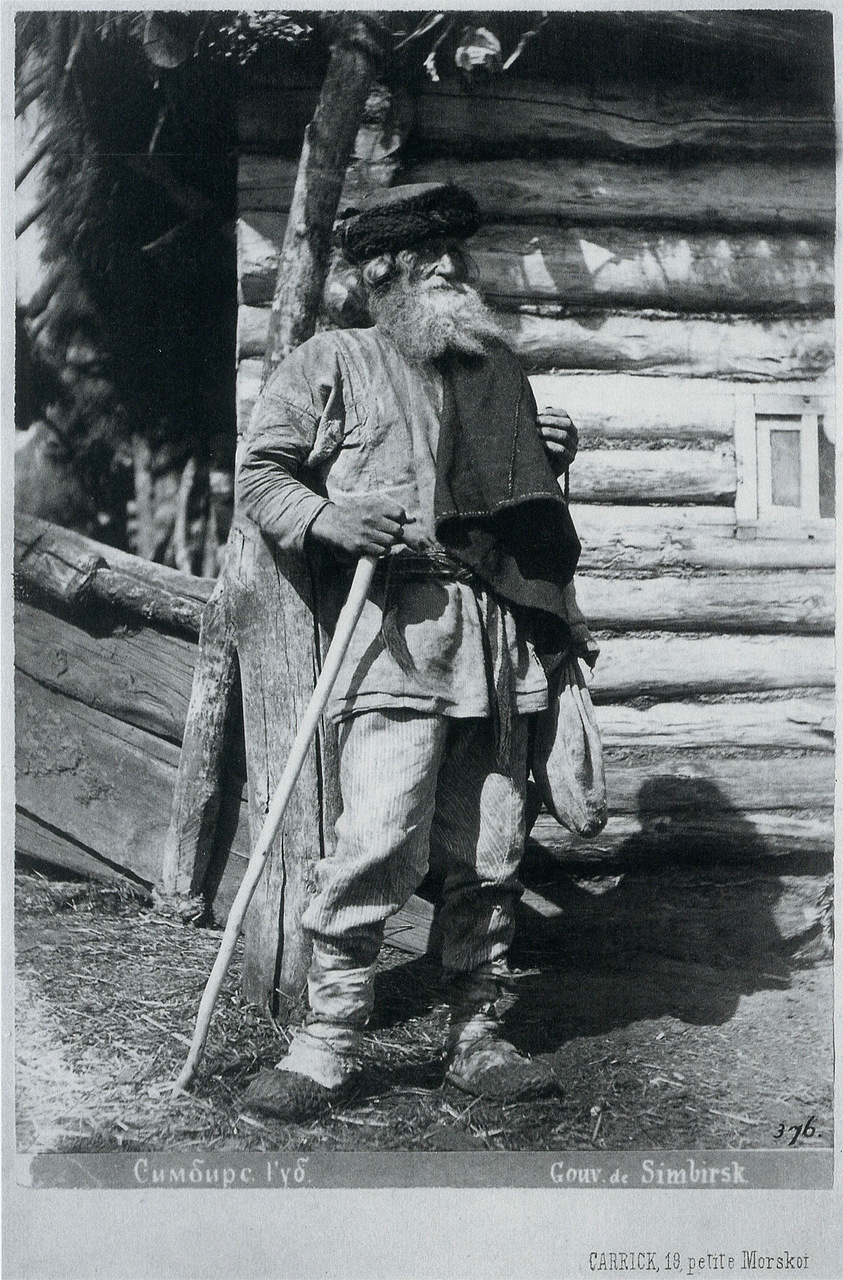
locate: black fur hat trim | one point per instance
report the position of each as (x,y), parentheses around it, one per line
(405,217)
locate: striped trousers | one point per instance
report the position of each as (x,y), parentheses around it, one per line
(416,787)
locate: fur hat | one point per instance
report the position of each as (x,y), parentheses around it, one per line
(404,217)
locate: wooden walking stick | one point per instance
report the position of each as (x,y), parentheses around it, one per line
(343,632)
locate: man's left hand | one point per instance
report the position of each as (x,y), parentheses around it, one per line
(561,440)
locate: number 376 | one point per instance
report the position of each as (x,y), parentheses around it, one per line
(806,1130)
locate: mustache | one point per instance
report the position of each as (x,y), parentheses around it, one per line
(426,320)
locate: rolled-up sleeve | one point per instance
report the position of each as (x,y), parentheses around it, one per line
(278,442)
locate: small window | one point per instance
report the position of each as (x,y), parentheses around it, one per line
(825,456)
(785,456)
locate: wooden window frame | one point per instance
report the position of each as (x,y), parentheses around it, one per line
(754,512)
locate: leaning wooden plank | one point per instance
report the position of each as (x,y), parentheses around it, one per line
(777,724)
(656,344)
(676,666)
(107,788)
(799,603)
(409,929)
(276,642)
(623,539)
(142,677)
(73,570)
(228,882)
(654,475)
(710,778)
(47,844)
(104,783)
(506,117)
(191,835)
(609,266)
(763,194)
(746,833)
(247,391)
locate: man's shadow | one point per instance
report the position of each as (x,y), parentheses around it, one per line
(678,920)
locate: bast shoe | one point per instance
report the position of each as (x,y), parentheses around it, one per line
(491,1067)
(291,1096)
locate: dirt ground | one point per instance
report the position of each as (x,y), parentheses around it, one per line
(650,1051)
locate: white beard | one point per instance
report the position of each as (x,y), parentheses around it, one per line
(425,322)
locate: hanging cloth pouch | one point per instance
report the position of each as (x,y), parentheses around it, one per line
(567,761)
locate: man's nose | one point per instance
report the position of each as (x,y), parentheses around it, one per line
(447,267)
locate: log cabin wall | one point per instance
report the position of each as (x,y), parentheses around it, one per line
(105,654)
(660,247)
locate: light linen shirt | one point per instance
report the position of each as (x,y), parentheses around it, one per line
(347,413)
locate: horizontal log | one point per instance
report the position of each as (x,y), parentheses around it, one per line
(635,407)
(754,917)
(677,271)
(620,539)
(774,194)
(746,834)
(644,343)
(682,667)
(726,918)
(682,780)
(504,117)
(675,346)
(609,266)
(778,724)
(142,677)
(74,570)
(654,475)
(799,603)
(757,195)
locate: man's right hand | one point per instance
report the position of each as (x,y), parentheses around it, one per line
(364,527)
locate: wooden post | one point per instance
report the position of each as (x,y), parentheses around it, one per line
(360,41)
(265,611)
(196,800)
(274,603)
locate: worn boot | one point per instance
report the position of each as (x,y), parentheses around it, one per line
(319,1071)
(321,1068)
(480,1061)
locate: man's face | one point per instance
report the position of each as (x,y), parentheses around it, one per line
(440,264)
(431,307)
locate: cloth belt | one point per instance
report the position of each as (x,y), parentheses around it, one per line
(500,676)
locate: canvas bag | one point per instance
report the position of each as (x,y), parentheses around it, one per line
(567,757)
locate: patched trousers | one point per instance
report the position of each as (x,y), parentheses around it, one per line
(415,785)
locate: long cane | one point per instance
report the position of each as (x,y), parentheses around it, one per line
(343,632)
